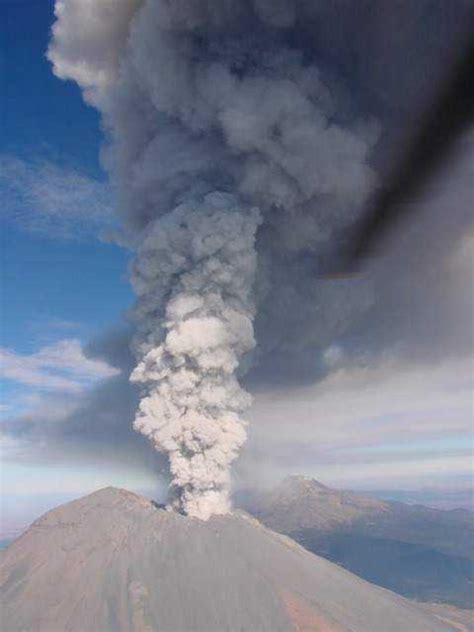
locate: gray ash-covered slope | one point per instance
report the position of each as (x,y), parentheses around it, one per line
(114,561)
(420,552)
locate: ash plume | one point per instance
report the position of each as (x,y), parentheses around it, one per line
(193,276)
(234,153)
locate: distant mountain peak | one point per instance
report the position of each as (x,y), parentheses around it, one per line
(300,502)
(303,483)
(418,551)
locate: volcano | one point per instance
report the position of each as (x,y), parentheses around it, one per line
(114,560)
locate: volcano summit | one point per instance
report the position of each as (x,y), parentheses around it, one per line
(115,561)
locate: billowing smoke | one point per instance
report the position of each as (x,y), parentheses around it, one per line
(234,155)
(194,276)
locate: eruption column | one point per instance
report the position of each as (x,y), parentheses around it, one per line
(193,276)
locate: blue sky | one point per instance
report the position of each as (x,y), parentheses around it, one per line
(41,115)
(63,283)
(59,280)
(45,124)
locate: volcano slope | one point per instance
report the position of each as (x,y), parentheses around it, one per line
(115,561)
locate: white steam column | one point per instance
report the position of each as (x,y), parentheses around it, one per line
(194,276)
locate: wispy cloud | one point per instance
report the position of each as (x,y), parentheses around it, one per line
(61,366)
(53,200)
(44,330)
(385,422)
(59,324)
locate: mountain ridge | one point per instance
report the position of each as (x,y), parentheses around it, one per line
(420,552)
(114,561)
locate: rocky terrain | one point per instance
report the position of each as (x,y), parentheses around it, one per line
(420,552)
(115,561)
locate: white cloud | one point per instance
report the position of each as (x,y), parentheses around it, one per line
(53,200)
(61,366)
